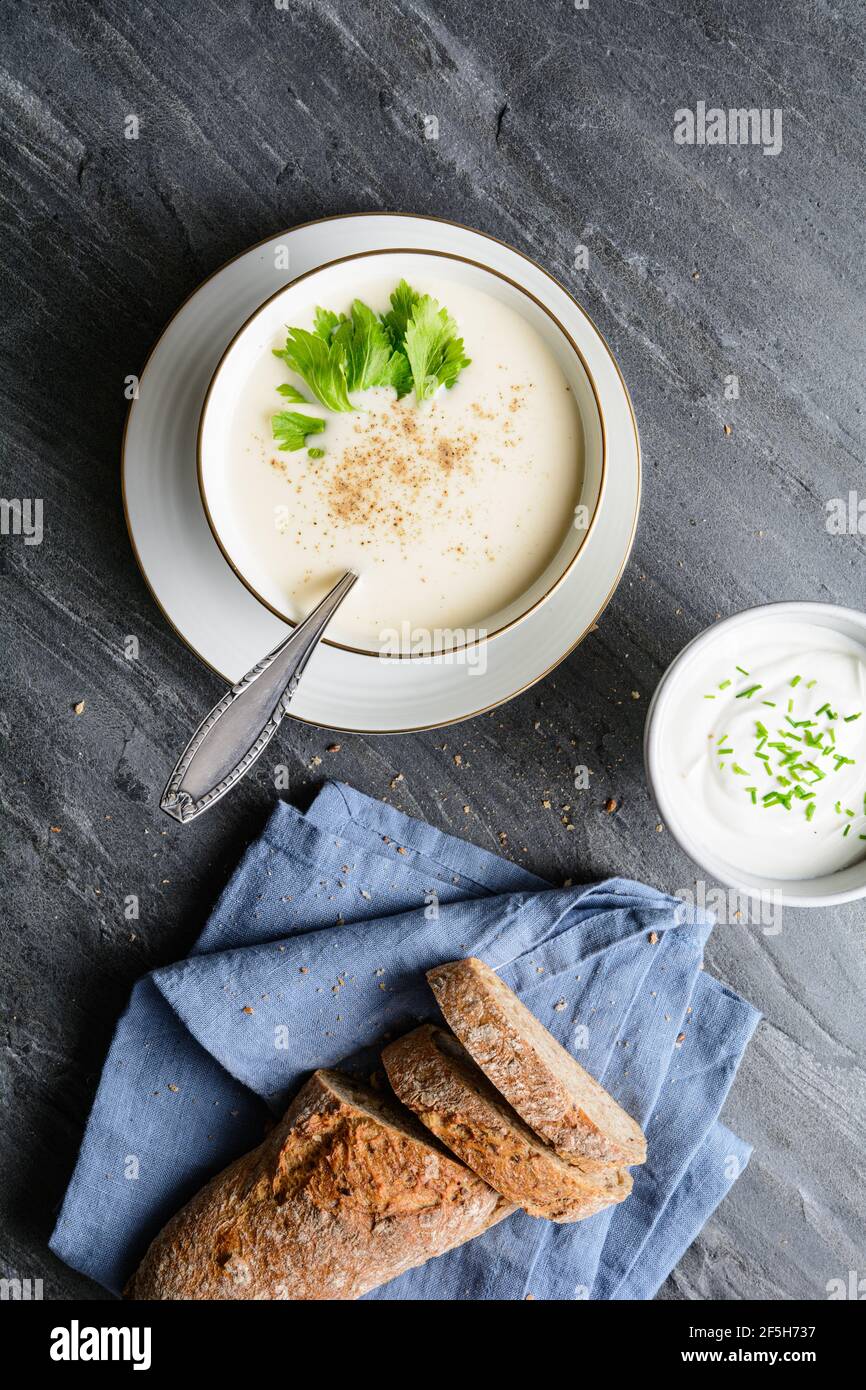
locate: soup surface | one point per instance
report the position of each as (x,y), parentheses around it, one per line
(449,510)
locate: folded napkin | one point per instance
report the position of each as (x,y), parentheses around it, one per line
(318,947)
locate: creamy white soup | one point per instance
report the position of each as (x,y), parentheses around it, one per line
(449,510)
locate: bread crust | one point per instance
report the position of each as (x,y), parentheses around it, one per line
(550,1091)
(436,1078)
(344,1194)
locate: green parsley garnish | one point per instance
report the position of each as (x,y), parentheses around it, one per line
(292,393)
(291,428)
(415,345)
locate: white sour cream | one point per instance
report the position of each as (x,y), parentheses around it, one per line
(749,751)
(450,511)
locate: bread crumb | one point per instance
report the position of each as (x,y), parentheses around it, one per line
(333,747)
(559,1005)
(458,759)
(171,1087)
(653,938)
(78,708)
(681,1037)
(396,780)
(728,429)
(611,805)
(247,1010)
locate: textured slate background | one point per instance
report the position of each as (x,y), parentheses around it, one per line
(555,128)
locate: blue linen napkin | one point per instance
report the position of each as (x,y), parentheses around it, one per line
(317,948)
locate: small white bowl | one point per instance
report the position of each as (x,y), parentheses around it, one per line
(825,891)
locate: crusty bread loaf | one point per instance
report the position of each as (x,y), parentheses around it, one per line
(346,1192)
(436,1078)
(549,1090)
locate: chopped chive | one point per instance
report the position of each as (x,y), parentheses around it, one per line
(810,810)
(762,732)
(741,671)
(846,831)
(790,706)
(838,808)
(809,684)
(753,793)
(849,718)
(796,680)
(749,692)
(852,814)
(721,751)
(740,771)
(821,710)
(771,703)
(709,697)
(723,685)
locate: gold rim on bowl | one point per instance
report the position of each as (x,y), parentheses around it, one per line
(358,256)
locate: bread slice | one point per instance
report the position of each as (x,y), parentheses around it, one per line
(435,1077)
(346,1192)
(549,1090)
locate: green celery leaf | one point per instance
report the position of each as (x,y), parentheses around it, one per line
(399,374)
(324,322)
(322,365)
(292,393)
(367,348)
(434,350)
(403,302)
(291,428)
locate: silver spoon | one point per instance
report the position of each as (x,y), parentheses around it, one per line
(238,729)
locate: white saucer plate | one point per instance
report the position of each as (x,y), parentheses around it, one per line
(216,615)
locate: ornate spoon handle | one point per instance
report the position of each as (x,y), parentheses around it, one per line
(229,739)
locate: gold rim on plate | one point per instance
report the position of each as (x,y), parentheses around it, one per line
(460,226)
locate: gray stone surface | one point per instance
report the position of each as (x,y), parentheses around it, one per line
(555,129)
